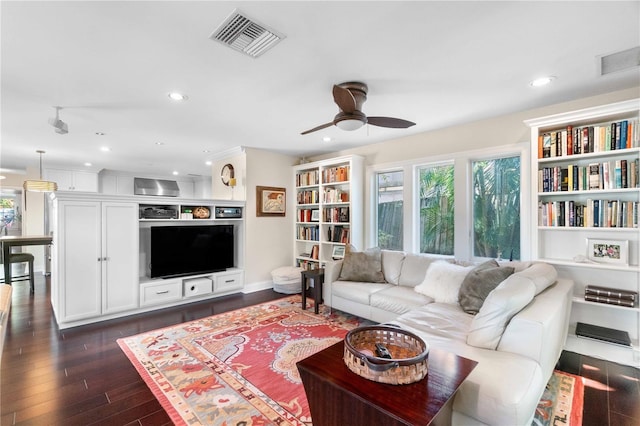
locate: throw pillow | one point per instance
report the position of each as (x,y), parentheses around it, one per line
(442,281)
(506,300)
(365,266)
(479,283)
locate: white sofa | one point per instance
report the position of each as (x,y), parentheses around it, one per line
(516,337)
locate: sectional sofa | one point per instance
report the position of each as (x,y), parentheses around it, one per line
(514,326)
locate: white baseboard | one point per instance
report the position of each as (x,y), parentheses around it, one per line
(261,285)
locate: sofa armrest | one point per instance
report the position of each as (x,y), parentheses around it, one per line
(539,331)
(5,307)
(331,273)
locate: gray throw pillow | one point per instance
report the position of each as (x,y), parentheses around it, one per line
(479,282)
(365,266)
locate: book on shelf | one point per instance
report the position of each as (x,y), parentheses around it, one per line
(574,140)
(315,252)
(604,334)
(595,213)
(611,292)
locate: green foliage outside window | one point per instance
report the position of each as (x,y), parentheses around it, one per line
(496,208)
(437,210)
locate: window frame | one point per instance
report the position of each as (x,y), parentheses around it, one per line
(463,197)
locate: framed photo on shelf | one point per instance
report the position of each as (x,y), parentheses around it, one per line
(337,252)
(608,251)
(270,201)
(315,215)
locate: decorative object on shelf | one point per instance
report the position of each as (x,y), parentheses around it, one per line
(337,252)
(227,174)
(608,251)
(201,212)
(40,185)
(315,215)
(270,201)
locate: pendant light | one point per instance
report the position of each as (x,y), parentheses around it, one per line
(40,185)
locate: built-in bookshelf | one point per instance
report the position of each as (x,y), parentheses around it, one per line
(329,209)
(586,186)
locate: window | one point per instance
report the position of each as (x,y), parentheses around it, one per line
(436,186)
(496,208)
(390,205)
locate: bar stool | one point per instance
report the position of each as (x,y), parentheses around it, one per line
(21,258)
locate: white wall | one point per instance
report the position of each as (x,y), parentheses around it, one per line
(269,240)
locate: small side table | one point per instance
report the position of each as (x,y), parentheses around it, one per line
(317,277)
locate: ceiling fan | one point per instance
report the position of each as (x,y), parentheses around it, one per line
(350,96)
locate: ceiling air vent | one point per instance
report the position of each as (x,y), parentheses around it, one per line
(245,35)
(619,61)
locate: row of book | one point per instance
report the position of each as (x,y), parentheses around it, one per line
(334,195)
(314,254)
(309,233)
(611,296)
(308,215)
(595,213)
(308,196)
(307,265)
(306,178)
(338,234)
(581,140)
(335,214)
(615,174)
(335,174)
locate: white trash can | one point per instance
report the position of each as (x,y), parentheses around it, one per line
(287,279)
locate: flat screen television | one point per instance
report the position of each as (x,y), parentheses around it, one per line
(190,250)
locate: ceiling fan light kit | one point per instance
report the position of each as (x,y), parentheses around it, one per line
(349,97)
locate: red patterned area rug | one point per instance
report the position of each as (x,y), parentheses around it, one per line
(239,367)
(562,401)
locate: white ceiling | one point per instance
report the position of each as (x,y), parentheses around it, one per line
(110,65)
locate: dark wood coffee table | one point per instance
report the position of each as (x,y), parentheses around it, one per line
(338,396)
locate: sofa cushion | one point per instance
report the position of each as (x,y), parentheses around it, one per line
(355,291)
(364,266)
(442,281)
(398,299)
(392,265)
(414,269)
(479,282)
(506,300)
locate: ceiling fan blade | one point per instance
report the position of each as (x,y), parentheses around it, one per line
(395,123)
(320,127)
(344,98)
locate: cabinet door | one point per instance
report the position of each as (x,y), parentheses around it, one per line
(120,290)
(79,259)
(63,178)
(85,181)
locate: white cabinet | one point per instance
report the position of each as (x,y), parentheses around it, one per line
(95,257)
(73,180)
(585,186)
(329,209)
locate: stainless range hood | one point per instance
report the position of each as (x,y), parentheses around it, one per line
(158,187)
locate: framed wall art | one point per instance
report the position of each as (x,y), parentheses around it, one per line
(271,201)
(608,251)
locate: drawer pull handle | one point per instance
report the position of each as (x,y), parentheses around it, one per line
(229,281)
(162,292)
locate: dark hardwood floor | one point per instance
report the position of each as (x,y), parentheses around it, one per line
(80,376)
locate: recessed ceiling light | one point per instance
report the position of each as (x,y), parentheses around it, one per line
(88,164)
(206,151)
(176,96)
(208,163)
(100,133)
(105,149)
(326,139)
(175,173)
(542,81)
(159,143)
